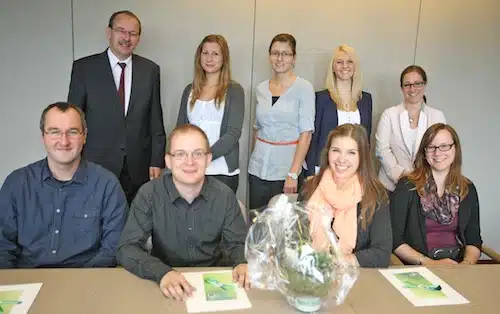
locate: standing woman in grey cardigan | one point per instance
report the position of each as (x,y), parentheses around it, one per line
(216,104)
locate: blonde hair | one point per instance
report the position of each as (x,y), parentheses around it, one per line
(356,81)
(200,77)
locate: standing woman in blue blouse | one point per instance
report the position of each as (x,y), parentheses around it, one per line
(216,104)
(283,126)
(341,102)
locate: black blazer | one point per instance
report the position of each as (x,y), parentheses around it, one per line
(408,222)
(373,245)
(326,119)
(139,135)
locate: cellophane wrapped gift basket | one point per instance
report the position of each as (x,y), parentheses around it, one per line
(293,249)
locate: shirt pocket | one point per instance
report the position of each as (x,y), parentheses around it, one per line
(87,221)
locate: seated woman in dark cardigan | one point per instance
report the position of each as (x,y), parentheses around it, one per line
(435,210)
(348,189)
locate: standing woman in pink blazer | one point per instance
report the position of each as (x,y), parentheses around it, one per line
(401,128)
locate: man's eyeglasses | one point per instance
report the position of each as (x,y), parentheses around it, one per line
(57,134)
(284,54)
(416,85)
(442,147)
(183,155)
(125,33)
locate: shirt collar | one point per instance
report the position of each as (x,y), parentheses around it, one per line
(113,60)
(80,175)
(174,193)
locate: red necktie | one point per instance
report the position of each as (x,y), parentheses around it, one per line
(121,88)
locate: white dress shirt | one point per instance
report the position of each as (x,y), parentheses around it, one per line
(117,72)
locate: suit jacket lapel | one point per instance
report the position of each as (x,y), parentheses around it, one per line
(134,88)
(404,124)
(108,79)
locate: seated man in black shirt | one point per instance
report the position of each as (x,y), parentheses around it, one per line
(187,214)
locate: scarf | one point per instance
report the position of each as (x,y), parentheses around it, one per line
(443,209)
(337,203)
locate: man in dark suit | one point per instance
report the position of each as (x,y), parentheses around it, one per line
(120,95)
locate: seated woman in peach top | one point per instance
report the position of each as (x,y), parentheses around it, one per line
(347,187)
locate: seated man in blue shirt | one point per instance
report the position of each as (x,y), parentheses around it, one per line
(187,214)
(61,211)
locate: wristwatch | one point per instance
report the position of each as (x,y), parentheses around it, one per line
(293,175)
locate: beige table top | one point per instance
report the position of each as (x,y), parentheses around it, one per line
(372,293)
(96,291)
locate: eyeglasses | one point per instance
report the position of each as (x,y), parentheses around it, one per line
(57,134)
(416,85)
(183,155)
(124,32)
(284,54)
(442,147)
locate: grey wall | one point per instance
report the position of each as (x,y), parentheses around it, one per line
(456,41)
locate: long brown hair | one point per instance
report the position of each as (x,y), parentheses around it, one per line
(373,191)
(455,181)
(200,77)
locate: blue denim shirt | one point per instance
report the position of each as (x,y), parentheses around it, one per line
(48,223)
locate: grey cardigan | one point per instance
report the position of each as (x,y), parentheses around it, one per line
(230,129)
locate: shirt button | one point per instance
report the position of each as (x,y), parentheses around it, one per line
(58,210)
(190,229)
(85,216)
(191,246)
(53,251)
(56,232)
(60,190)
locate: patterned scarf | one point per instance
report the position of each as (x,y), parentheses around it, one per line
(338,203)
(443,209)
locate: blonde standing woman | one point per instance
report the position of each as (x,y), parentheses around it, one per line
(343,101)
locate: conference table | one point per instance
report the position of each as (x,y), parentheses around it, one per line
(114,290)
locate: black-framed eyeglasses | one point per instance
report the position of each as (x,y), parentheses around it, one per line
(57,134)
(284,54)
(125,33)
(442,147)
(183,155)
(416,85)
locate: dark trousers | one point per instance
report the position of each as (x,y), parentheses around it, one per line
(231,181)
(261,191)
(128,186)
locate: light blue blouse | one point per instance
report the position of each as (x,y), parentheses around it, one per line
(284,121)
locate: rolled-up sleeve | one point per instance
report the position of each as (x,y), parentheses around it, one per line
(307,110)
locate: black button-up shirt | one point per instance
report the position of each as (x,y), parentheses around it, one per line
(183,234)
(48,223)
